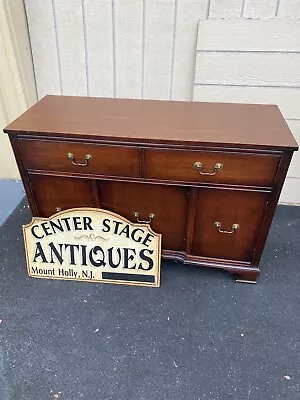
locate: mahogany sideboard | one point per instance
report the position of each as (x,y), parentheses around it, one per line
(206,175)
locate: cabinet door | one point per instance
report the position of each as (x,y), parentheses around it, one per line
(228,207)
(168,203)
(56,193)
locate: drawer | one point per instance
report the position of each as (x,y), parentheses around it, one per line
(74,158)
(202,166)
(227,223)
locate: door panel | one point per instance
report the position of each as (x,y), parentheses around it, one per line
(227,207)
(53,193)
(168,203)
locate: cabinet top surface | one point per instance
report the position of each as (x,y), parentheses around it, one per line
(214,124)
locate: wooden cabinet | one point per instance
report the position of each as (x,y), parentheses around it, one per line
(206,176)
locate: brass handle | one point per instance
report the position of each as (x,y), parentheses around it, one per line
(233,228)
(199,165)
(87,158)
(137,215)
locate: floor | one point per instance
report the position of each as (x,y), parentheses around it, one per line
(198,336)
(11,193)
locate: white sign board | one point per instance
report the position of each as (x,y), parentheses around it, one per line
(92,245)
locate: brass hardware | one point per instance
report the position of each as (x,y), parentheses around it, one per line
(57,209)
(198,165)
(87,158)
(137,215)
(233,228)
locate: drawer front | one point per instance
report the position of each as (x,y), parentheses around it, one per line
(227,223)
(74,157)
(211,167)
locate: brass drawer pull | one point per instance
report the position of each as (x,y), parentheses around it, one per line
(137,216)
(233,228)
(198,165)
(87,158)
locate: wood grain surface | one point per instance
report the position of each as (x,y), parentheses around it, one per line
(161,121)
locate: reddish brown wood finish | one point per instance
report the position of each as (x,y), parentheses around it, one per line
(238,168)
(228,207)
(167,203)
(53,194)
(106,160)
(24,175)
(142,161)
(152,121)
(266,223)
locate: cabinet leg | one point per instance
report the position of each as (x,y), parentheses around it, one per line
(247,276)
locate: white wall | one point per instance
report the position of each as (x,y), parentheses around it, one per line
(127,48)
(146,49)
(244,68)
(17,86)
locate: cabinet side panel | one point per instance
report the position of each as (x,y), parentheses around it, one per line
(272,204)
(25,178)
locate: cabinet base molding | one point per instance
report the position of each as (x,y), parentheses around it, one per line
(243,271)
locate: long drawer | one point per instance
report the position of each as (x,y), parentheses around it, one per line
(80,158)
(212,167)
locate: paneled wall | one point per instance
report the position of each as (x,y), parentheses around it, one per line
(127,48)
(146,49)
(246,69)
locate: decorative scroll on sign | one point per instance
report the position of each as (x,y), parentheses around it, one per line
(92,245)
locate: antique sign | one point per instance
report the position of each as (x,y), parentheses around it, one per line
(92,245)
